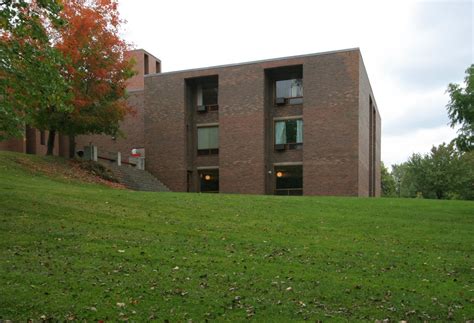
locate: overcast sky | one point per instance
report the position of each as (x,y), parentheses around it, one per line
(411,49)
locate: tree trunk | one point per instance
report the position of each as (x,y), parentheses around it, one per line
(51,138)
(72,146)
(439,195)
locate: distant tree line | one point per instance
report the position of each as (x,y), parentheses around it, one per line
(444,173)
(447,171)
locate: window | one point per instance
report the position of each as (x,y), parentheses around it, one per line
(289,180)
(208,140)
(209,181)
(207,96)
(157,67)
(289,92)
(288,134)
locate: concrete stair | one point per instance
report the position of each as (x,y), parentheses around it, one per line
(135,179)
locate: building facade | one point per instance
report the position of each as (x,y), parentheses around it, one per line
(132,127)
(302,125)
(34,141)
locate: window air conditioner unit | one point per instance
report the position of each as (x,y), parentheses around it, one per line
(280,147)
(280,101)
(201,108)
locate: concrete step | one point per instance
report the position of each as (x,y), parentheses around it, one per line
(135,179)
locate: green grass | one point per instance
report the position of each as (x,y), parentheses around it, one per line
(86,251)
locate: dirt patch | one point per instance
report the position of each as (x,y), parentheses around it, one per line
(88,172)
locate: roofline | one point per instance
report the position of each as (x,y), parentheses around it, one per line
(254,62)
(147,52)
(134,90)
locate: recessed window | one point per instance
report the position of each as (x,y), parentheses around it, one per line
(209,181)
(208,140)
(146,66)
(288,134)
(289,180)
(42,137)
(207,96)
(289,92)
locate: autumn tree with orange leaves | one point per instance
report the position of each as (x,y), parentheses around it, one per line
(62,68)
(96,68)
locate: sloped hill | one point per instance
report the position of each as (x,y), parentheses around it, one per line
(57,168)
(85,251)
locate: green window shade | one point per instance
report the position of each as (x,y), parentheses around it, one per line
(280,132)
(289,131)
(208,138)
(299,131)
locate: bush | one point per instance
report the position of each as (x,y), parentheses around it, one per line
(98,169)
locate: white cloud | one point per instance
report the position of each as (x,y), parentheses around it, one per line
(405,110)
(397,148)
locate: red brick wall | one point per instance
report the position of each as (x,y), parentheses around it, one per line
(378,156)
(334,154)
(133,125)
(20,144)
(330,156)
(335,113)
(165,128)
(137,82)
(15,144)
(42,149)
(132,128)
(365,91)
(242,131)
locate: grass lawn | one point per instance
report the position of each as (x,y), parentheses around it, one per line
(74,250)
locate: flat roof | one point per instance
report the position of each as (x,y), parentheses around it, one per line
(254,62)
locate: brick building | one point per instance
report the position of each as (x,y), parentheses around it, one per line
(133,136)
(35,141)
(296,125)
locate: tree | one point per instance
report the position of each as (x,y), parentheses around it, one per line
(441,173)
(30,68)
(398,172)
(466,186)
(388,182)
(444,173)
(461,110)
(96,68)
